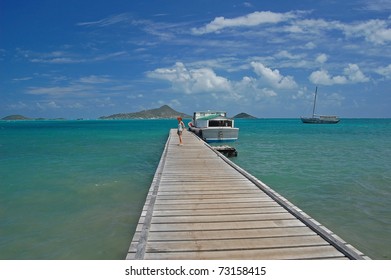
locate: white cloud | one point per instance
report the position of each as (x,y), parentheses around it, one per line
(93,79)
(76,105)
(251,85)
(375,31)
(22,79)
(47,105)
(385,71)
(205,80)
(311,26)
(248,4)
(377,5)
(114,19)
(322,77)
(288,55)
(310,46)
(52,105)
(253,19)
(193,80)
(272,77)
(52,91)
(322,58)
(66,57)
(352,74)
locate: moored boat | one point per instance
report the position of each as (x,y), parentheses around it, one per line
(318,119)
(214,126)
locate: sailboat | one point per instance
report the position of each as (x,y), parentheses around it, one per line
(315,119)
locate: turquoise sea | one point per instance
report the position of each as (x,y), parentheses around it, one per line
(75,189)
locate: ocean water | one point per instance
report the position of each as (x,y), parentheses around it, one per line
(75,189)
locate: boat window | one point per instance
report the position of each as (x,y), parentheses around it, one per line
(216,123)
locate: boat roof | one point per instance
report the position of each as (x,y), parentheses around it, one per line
(204,114)
(213,117)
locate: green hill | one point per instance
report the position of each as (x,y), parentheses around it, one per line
(244,116)
(164,112)
(15,118)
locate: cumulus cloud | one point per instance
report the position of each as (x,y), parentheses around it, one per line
(322,77)
(253,19)
(352,74)
(205,80)
(322,58)
(310,46)
(192,80)
(251,85)
(272,77)
(189,80)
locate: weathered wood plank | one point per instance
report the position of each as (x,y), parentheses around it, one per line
(232,235)
(237,244)
(218,211)
(224,225)
(215,200)
(229,234)
(232,205)
(299,253)
(220,218)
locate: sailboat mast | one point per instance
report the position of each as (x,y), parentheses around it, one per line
(313,109)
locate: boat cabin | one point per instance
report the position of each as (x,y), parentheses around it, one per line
(212,119)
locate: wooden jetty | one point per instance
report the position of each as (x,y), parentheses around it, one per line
(202,206)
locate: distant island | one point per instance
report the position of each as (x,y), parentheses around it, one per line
(244,116)
(24,118)
(164,112)
(15,118)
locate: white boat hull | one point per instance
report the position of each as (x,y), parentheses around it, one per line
(216,134)
(329,120)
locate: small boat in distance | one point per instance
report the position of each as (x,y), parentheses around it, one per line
(213,126)
(315,119)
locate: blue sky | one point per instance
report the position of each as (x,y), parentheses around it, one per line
(85,59)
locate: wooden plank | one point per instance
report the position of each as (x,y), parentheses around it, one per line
(239,244)
(232,205)
(299,253)
(229,234)
(220,218)
(224,225)
(216,200)
(218,211)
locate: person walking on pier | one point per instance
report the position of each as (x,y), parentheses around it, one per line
(181,127)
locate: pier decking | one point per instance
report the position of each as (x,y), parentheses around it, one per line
(202,206)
